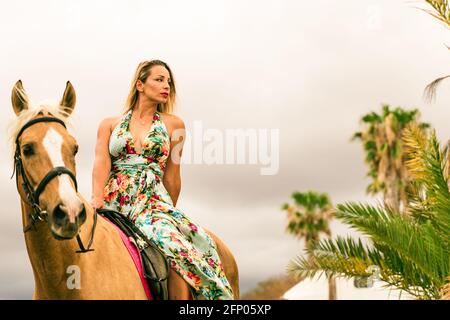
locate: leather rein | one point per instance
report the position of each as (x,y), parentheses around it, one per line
(37,214)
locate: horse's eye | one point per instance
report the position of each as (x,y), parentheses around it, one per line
(28,150)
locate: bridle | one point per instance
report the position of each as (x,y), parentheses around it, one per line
(37,214)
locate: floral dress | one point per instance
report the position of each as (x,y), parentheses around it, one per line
(135,189)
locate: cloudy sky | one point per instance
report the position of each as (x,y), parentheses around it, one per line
(305,69)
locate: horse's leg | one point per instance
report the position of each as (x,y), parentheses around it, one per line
(229,263)
(178,288)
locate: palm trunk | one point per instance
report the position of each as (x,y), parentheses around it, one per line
(331,280)
(445,292)
(391,194)
(332,288)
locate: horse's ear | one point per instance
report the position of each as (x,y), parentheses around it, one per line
(68,100)
(19,98)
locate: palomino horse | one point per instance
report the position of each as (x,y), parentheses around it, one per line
(45,168)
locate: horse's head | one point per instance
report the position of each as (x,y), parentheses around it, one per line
(45,162)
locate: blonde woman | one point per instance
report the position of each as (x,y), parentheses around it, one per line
(136,174)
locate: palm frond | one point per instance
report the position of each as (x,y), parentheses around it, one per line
(440,10)
(428,166)
(344,257)
(309,215)
(419,245)
(340,258)
(429,93)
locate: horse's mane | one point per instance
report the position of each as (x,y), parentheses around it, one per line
(46,108)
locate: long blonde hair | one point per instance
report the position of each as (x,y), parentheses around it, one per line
(142,72)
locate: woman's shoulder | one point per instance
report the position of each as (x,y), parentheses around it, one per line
(110,122)
(172,120)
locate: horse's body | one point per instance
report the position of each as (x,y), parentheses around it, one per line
(60,272)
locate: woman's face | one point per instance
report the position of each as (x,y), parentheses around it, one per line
(157,86)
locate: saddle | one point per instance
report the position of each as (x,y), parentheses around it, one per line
(155,265)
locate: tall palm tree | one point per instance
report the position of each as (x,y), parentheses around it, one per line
(385,157)
(412,251)
(308,218)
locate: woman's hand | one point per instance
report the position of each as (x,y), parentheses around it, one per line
(97,202)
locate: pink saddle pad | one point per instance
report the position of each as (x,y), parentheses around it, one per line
(136,256)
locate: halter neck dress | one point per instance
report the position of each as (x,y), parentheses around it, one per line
(135,189)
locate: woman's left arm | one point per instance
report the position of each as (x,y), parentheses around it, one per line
(172,175)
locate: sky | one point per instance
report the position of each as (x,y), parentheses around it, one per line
(297,75)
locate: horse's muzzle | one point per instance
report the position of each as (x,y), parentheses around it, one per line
(65,223)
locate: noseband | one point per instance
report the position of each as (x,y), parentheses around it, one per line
(37,214)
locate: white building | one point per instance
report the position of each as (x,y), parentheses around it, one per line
(317,289)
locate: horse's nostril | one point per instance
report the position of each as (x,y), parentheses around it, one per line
(58,213)
(82,215)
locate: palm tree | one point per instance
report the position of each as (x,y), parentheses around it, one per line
(385,157)
(308,218)
(411,251)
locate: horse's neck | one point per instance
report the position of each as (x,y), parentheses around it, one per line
(106,273)
(53,260)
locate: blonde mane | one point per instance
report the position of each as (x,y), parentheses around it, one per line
(46,108)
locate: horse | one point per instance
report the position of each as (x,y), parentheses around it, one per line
(54,213)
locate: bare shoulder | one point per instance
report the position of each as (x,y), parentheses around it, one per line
(172,121)
(110,123)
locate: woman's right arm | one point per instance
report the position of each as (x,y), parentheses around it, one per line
(102,163)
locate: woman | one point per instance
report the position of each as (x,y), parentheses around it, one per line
(136,174)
